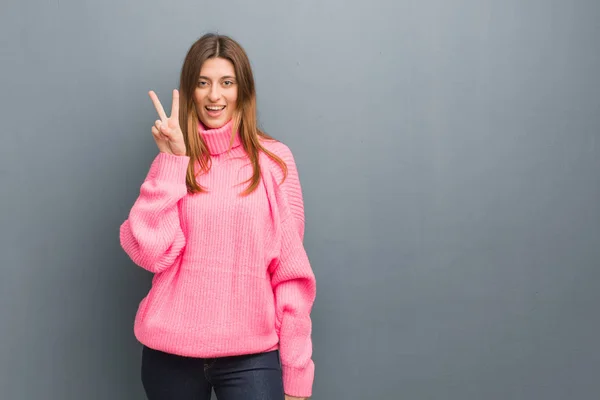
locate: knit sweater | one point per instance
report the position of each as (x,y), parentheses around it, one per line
(231,275)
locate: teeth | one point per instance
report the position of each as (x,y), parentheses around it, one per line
(215,108)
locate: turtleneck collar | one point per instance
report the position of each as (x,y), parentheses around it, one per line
(218,139)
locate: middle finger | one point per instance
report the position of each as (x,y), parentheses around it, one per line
(159,108)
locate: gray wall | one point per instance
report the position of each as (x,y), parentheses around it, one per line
(450,157)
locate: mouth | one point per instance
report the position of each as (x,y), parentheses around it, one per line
(214,108)
(214,111)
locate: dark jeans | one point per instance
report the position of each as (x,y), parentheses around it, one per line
(249,377)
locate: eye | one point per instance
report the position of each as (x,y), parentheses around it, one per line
(227,83)
(202,83)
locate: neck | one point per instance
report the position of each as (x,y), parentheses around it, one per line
(218,139)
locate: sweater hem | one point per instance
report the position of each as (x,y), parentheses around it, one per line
(194,346)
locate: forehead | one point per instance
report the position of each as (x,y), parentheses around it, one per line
(216,68)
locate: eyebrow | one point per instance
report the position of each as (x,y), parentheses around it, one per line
(223,77)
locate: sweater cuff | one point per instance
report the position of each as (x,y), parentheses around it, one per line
(170,168)
(298,382)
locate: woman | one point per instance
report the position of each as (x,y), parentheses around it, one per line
(220,222)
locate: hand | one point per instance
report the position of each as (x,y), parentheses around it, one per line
(295,398)
(166,131)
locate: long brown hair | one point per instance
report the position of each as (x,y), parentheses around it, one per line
(244,120)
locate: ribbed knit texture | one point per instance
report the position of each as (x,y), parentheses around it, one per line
(231,273)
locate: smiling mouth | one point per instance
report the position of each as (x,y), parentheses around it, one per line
(214,108)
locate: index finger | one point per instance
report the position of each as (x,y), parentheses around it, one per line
(158,106)
(175,105)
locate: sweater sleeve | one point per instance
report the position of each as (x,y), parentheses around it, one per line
(152,234)
(294,286)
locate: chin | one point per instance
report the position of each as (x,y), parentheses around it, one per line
(215,123)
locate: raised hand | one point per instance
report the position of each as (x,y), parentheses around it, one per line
(166,131)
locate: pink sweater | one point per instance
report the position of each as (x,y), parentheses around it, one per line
(231,275)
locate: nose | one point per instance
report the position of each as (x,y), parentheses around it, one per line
(214,94)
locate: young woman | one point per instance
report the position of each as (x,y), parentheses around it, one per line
(220,222)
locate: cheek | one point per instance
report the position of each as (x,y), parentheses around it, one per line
(232,99)
(197,97)
(197,101)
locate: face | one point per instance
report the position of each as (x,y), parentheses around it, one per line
(216,92)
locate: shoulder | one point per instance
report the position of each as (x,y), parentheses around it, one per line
(278,148)
(289,186)
(282,151)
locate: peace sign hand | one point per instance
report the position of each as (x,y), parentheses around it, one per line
(166,131)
